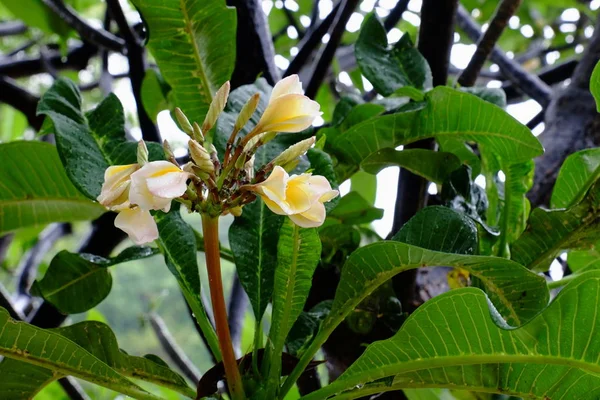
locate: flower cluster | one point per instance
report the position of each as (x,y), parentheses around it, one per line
(208,186)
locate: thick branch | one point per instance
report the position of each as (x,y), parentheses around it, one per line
(98,37)
(395,15)
(175,353)
(310,42)
(19,98)
(326,56)
(550,76)
(487,41)
(571,123)
(10,28)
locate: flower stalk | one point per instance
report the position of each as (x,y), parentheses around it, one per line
(210,228)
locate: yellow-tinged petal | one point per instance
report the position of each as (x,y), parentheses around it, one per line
(288,85)
(138,224)
(311,218)
(288,113)
(115,188)
(156,184)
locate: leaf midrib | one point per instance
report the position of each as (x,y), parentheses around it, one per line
(76,280)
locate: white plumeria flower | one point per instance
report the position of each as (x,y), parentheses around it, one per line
(157,183)
(289,110)
(300,197)
(138,224)
(115,189)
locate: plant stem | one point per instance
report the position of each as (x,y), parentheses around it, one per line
(562,282)
(210,228)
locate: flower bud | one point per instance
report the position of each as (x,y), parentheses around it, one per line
(197,134)
(142,153)
(246,112)
(216,107)
(168,151)
(184,123)
(201,157)
(236,211)
(293,152)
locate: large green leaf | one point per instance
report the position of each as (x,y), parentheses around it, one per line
(595,85)
(518,293)
(353,209)
(298,253)
(447,113)
(95,340)
(36,14)
(434,166)
(253,240)
(177,242)
(35,190)
(48,349)
(577,174)
(455,341)
(75,283)
(91,142)
(389,68)
(193,43)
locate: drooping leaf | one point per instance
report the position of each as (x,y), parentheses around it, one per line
(577,174)
(95,340)
(34,189)
(389,68)
(194,46)
(447,113)
(253,240)
(89,143)
(47,349)
(352,209)
(177,242)
(432,165)
(75,283)
(455,341)
(298,253)
(595,85)
(441,229)
(550,232)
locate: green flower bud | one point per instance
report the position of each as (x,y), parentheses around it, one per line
(183,121)
(201,157)
(142,153)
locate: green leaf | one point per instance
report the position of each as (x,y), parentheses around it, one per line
(96,339)
(34,189)
(360,113)
(306,327)
(36,14)
(493,95)
(365,185)
(595,85)
(441,229)
(550,232)
(455,341)
(298,253)
(75,283)
(448,113)
(389,68)
(321,164)
(155,94)
(194,46)
(177,242)
(461,150)
(47,349)
(577,174)
(253,241)
(434,166)
(90,143)
(353,209)
(584,260)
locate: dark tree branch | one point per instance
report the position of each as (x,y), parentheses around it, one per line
(310,42)
(571,123)
(21,48)
(10,28)
(309,382)
(536,120)
(170,346)
(436,36)
(395,15)
(314,15)
(105,79)
(550,76)
(99,37)
(254,48)
(73,389)
(292,20)
(326,56)
(77,59)
(19,98)
(487,41)
(137,69)
(238,304)
(527,82)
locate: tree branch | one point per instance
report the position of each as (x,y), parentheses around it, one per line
(310,42)
(170,346)
(487,41)
(395,15)
(10,28)
(550,76)
(527,82)
(21,100)
(326,56)
(99,37)
(137,69)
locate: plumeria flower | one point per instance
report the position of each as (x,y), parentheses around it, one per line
(115,189)
(300,197)
(157,183)
(138,224)
(289,110)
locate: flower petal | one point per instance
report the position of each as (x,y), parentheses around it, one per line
(138,224)
(312,218)
(116,183)
(140,193)
(289,113)
(274,188)
(290,84)
(171,185)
